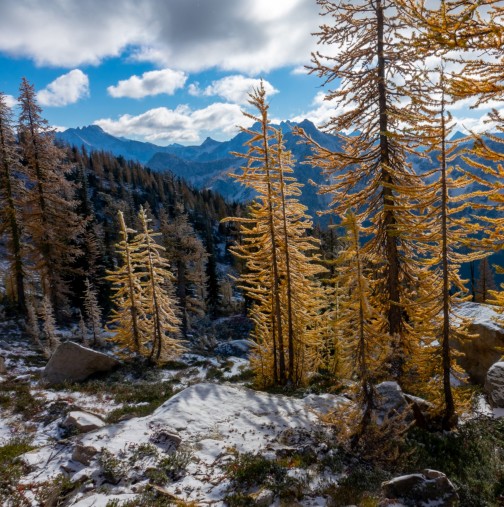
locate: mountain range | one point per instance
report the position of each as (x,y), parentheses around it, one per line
(209,165)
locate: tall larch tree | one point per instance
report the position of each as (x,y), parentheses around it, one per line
(370,174)
(444,243)
(280,259)
(126,320)
(473,34)
(11,194)
(162,324)
(49,209)
(365,344)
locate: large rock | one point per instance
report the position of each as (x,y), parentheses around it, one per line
(494,385)
(422,490)
(390,401)
(481,352)
(73,363)
(82,422)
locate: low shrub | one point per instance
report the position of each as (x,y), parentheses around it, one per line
(11,471)
(472,457)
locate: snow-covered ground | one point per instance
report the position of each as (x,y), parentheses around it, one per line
(213,421)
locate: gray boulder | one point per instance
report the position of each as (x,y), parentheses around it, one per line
(421,490)
(494,385)
(390,401)
(71,362)
(486,348)
(82,422)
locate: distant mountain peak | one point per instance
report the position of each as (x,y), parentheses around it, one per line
(209,142)
(91,128)
(457,135)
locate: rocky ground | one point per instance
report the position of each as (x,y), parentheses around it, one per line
(194,433)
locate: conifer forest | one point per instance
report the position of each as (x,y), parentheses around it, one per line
(305,315)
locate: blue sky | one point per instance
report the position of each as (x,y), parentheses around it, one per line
(164,70)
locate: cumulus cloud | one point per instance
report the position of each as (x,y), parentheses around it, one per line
(232,88)
(321,112)
(300,70)
(10,101)
(249,36)
(182,124)
(149,83)
(68,34)
(64,90)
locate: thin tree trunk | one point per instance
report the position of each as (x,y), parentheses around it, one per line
(276,275)
(449,411)
(290,325)
(394,316)
(15,229)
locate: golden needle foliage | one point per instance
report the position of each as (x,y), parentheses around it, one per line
(280,261)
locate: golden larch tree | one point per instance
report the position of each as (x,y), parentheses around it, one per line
(126,320)
(370,173)
(280,258)
(159,306)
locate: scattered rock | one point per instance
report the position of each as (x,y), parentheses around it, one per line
(166,439)
(82,422)
(74,363)
(3,369)
(236,348)
(84,454)
(421,411)
(494,385)
(390,401)
(263,498)
(427,488)
(484,350)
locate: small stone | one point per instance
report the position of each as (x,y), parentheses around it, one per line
(264,498)
(427,488)
(82,422)
(168,440)
(83,454)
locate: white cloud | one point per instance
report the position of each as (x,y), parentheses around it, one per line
(182,124)
(66,89)
(321,113)
(68,34)
(149,83)
(249,36)
(300,70)
(10,101)
(479,123)
(234,89)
